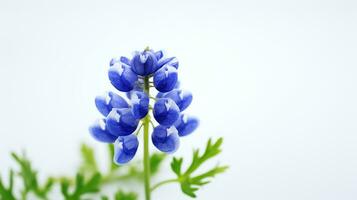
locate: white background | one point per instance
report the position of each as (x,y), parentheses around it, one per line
(276,79)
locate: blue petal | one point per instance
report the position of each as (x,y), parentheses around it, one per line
(140,104)
(185,125)
(122,77)
(122,59)
(160,94)
(177,86)
(138,86)
(125,148)
(121,122)
(125,60)
(165,79)
(181,97)
(110,100)
(166,112)
(144,63)
(100,132)
(159,54)
(171,61)
(165,139)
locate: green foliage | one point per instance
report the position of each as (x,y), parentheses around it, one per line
(30,180)
(189,182)
(112,165)
(89,179)
(7,193)
(81,187)
(89,163)
(156,160)
(121,195)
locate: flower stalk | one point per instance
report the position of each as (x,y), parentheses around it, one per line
(146,161)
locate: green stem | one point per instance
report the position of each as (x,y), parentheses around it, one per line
(146,146)
(163,183)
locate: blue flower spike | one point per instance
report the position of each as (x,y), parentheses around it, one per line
(165,78)
(125,148)
(122,77)
(136,76)
(185,125)
(166,112)
(100,132)
(121,122)
(105,103)
(140,104)
(165,139)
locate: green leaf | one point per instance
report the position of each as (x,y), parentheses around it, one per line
(104,198)
(112,165)
(189,182)
(120,195)
(210,151)
(81,186)
(7,193)
(156,160)
(89,165)
(29,177)
(176,165)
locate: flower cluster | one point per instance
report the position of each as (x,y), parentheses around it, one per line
(122,117)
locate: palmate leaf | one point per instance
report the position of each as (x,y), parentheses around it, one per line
(189,182)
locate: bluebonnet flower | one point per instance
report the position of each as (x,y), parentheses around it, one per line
(182,98)
(121,122)
(185,124)
(166,139)
(144,63)
(125,148)
(165,78)
(122,116)
(108,101)
(166,112)
(122,77)
(100,132)
(140,103)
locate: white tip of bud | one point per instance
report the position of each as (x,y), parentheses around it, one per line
(171,130)
(185,118)
(143,58)
(102,124)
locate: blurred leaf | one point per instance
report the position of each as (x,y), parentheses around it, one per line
(105,198)
(120,195)
(7,193)
(190,183)
(89,165)
(81,186)
(29,177)
(112,165)
(156,160)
